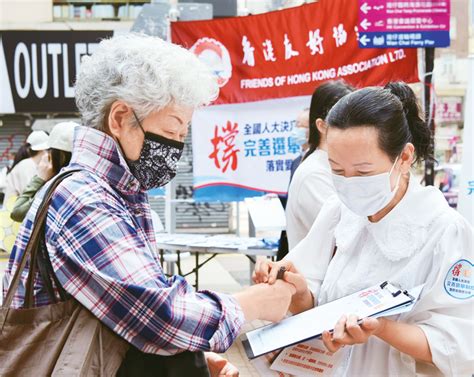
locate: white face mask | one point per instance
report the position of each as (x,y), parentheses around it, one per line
(365,196)
(300,135)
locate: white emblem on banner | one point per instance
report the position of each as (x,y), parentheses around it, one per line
(216,56)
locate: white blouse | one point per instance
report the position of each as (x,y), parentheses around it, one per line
(309,189)
(421,240)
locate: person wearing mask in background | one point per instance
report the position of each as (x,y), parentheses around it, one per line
(312,185)
(60,148)
(386,227)
(136,95)
(299,133)
(21,173)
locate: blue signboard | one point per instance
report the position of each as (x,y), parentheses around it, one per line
(402,24)
(405,39)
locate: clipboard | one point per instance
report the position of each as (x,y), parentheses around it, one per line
(370,302)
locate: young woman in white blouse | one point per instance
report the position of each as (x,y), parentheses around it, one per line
(383,225)
(311,185)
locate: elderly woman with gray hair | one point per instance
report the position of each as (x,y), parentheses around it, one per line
(136,96)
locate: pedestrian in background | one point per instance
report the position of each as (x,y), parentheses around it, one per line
(22,172)
(58,156)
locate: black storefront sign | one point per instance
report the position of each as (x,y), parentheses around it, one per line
(42,67)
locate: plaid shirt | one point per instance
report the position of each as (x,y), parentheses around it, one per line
(99,236)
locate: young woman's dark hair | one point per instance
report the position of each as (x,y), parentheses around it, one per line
(59,159)
(21,154)
(392,110)
(324,98)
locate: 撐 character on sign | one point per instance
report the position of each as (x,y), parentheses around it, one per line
(228,155)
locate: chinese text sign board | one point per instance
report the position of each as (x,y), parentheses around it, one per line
(288,53)
(244,150)
(406,24)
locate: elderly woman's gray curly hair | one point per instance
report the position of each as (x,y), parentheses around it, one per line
(145,72)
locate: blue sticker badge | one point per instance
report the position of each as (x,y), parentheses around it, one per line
(459,282)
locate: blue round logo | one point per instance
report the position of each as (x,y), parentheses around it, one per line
(459,282)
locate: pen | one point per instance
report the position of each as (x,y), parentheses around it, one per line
(281,272)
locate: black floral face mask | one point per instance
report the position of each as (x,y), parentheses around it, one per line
(158,160)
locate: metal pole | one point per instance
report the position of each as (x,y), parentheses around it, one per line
(252,233)
(237,210)
(429,116)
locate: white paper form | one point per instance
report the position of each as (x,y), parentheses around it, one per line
(310,358)
(312,323)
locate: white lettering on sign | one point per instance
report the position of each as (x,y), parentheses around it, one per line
(299,78)
(265,82)
(68,90)
(26,68)
(80,50)
(54,49)
(324,74)
(22,57)
(40,91)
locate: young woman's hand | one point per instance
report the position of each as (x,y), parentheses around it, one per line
(349,332)
(266,271)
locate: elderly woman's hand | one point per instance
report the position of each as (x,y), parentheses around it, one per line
(218,366)
(348,332)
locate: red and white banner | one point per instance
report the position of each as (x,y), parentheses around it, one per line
(244,150)
(288,53)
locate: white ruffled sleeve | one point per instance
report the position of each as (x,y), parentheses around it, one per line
(312,255)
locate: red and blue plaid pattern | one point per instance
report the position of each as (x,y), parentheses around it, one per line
(100,240)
